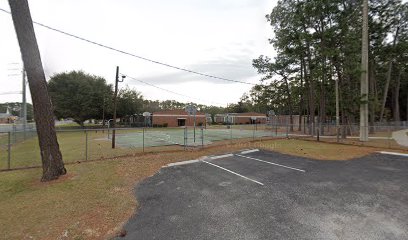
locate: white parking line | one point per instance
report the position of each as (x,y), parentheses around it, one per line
(222,156)
(279,165)
(394,153)
(247,178)
(250,151)
(182,163)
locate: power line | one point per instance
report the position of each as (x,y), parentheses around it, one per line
(170,91)
(10,93)
(134,55)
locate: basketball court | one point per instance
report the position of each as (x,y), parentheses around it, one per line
(179,136)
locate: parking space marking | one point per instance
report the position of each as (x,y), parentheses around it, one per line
(222,156)
(247,178)
(250,151)
(394,153)
(182,163)
(279,165)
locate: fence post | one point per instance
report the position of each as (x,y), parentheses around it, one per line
(202,137)
(338,133)
(231,134)
(253,132)
(287,129)
(15,133)
(9,151)
(185,138)
(143,136)
(86,145)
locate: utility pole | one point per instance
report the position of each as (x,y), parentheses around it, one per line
(103,112)
(364,77)
(115,101)
(114,107)
(337,110)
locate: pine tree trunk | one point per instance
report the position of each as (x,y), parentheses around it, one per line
(389,73)
(52,163)
(312,106)
(396,108)
(373,97)
(310,85)
(322,111)
(301,102)
(385,94)
(289,104)
(364,77)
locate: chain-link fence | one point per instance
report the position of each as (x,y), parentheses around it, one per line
(20,149)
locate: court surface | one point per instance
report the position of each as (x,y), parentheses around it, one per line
(176,136)
(267,195)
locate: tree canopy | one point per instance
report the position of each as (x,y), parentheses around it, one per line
(319,43)
(129,102)
(79,95)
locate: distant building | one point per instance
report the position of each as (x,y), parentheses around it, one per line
(241,118)
(177,118)
(137,120)
(7,117)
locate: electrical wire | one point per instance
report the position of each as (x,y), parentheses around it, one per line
(134,55)
(170,91)
(10,93)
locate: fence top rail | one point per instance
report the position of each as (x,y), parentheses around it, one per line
(198,127)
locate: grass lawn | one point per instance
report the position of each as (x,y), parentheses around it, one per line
(96,198)
(317,150)
(72,145)
(26,153)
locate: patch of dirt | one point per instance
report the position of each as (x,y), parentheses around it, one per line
(67,177)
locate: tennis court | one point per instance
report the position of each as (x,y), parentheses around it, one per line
(186,136)
(267,195)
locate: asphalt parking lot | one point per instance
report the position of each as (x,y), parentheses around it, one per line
(267,195)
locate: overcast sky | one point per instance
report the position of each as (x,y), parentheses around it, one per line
(216,37)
